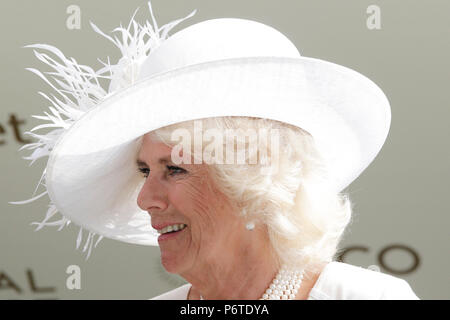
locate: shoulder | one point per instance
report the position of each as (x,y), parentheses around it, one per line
(179,293)
(342,281)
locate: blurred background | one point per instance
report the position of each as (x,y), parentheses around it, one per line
(401,214)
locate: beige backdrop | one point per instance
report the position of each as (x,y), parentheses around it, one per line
(401,200)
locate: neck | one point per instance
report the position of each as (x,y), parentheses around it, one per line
(243,276)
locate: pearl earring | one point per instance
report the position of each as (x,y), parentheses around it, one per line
(250,225)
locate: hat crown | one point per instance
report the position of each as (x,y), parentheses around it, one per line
(217,39)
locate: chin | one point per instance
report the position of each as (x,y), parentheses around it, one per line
(171,262)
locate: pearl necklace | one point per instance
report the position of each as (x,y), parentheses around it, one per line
(284,286)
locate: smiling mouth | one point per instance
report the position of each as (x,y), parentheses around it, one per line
(169,235)
(172,228)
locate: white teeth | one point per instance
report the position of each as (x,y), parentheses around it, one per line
(175,227)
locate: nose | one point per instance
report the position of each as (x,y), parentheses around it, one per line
(153,195)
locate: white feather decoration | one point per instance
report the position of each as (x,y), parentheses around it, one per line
(78,90)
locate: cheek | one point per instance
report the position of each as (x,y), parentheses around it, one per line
(195,201)
(189,198)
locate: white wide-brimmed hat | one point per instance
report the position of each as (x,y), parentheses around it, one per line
(219,67)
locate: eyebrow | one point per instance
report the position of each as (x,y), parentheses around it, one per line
(141,163)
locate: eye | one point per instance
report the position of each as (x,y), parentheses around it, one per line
(173,170)
(144,171)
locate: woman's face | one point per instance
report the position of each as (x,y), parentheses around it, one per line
(185,194)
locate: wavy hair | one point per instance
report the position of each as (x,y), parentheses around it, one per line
(305,218)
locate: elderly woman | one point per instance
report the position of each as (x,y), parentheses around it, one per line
(262,225)
(229,229)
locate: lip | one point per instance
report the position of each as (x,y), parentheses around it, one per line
(168,236)
(159,226)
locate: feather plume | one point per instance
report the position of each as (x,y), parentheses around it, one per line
(78,89)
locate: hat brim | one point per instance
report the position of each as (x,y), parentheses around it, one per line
(91,175)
